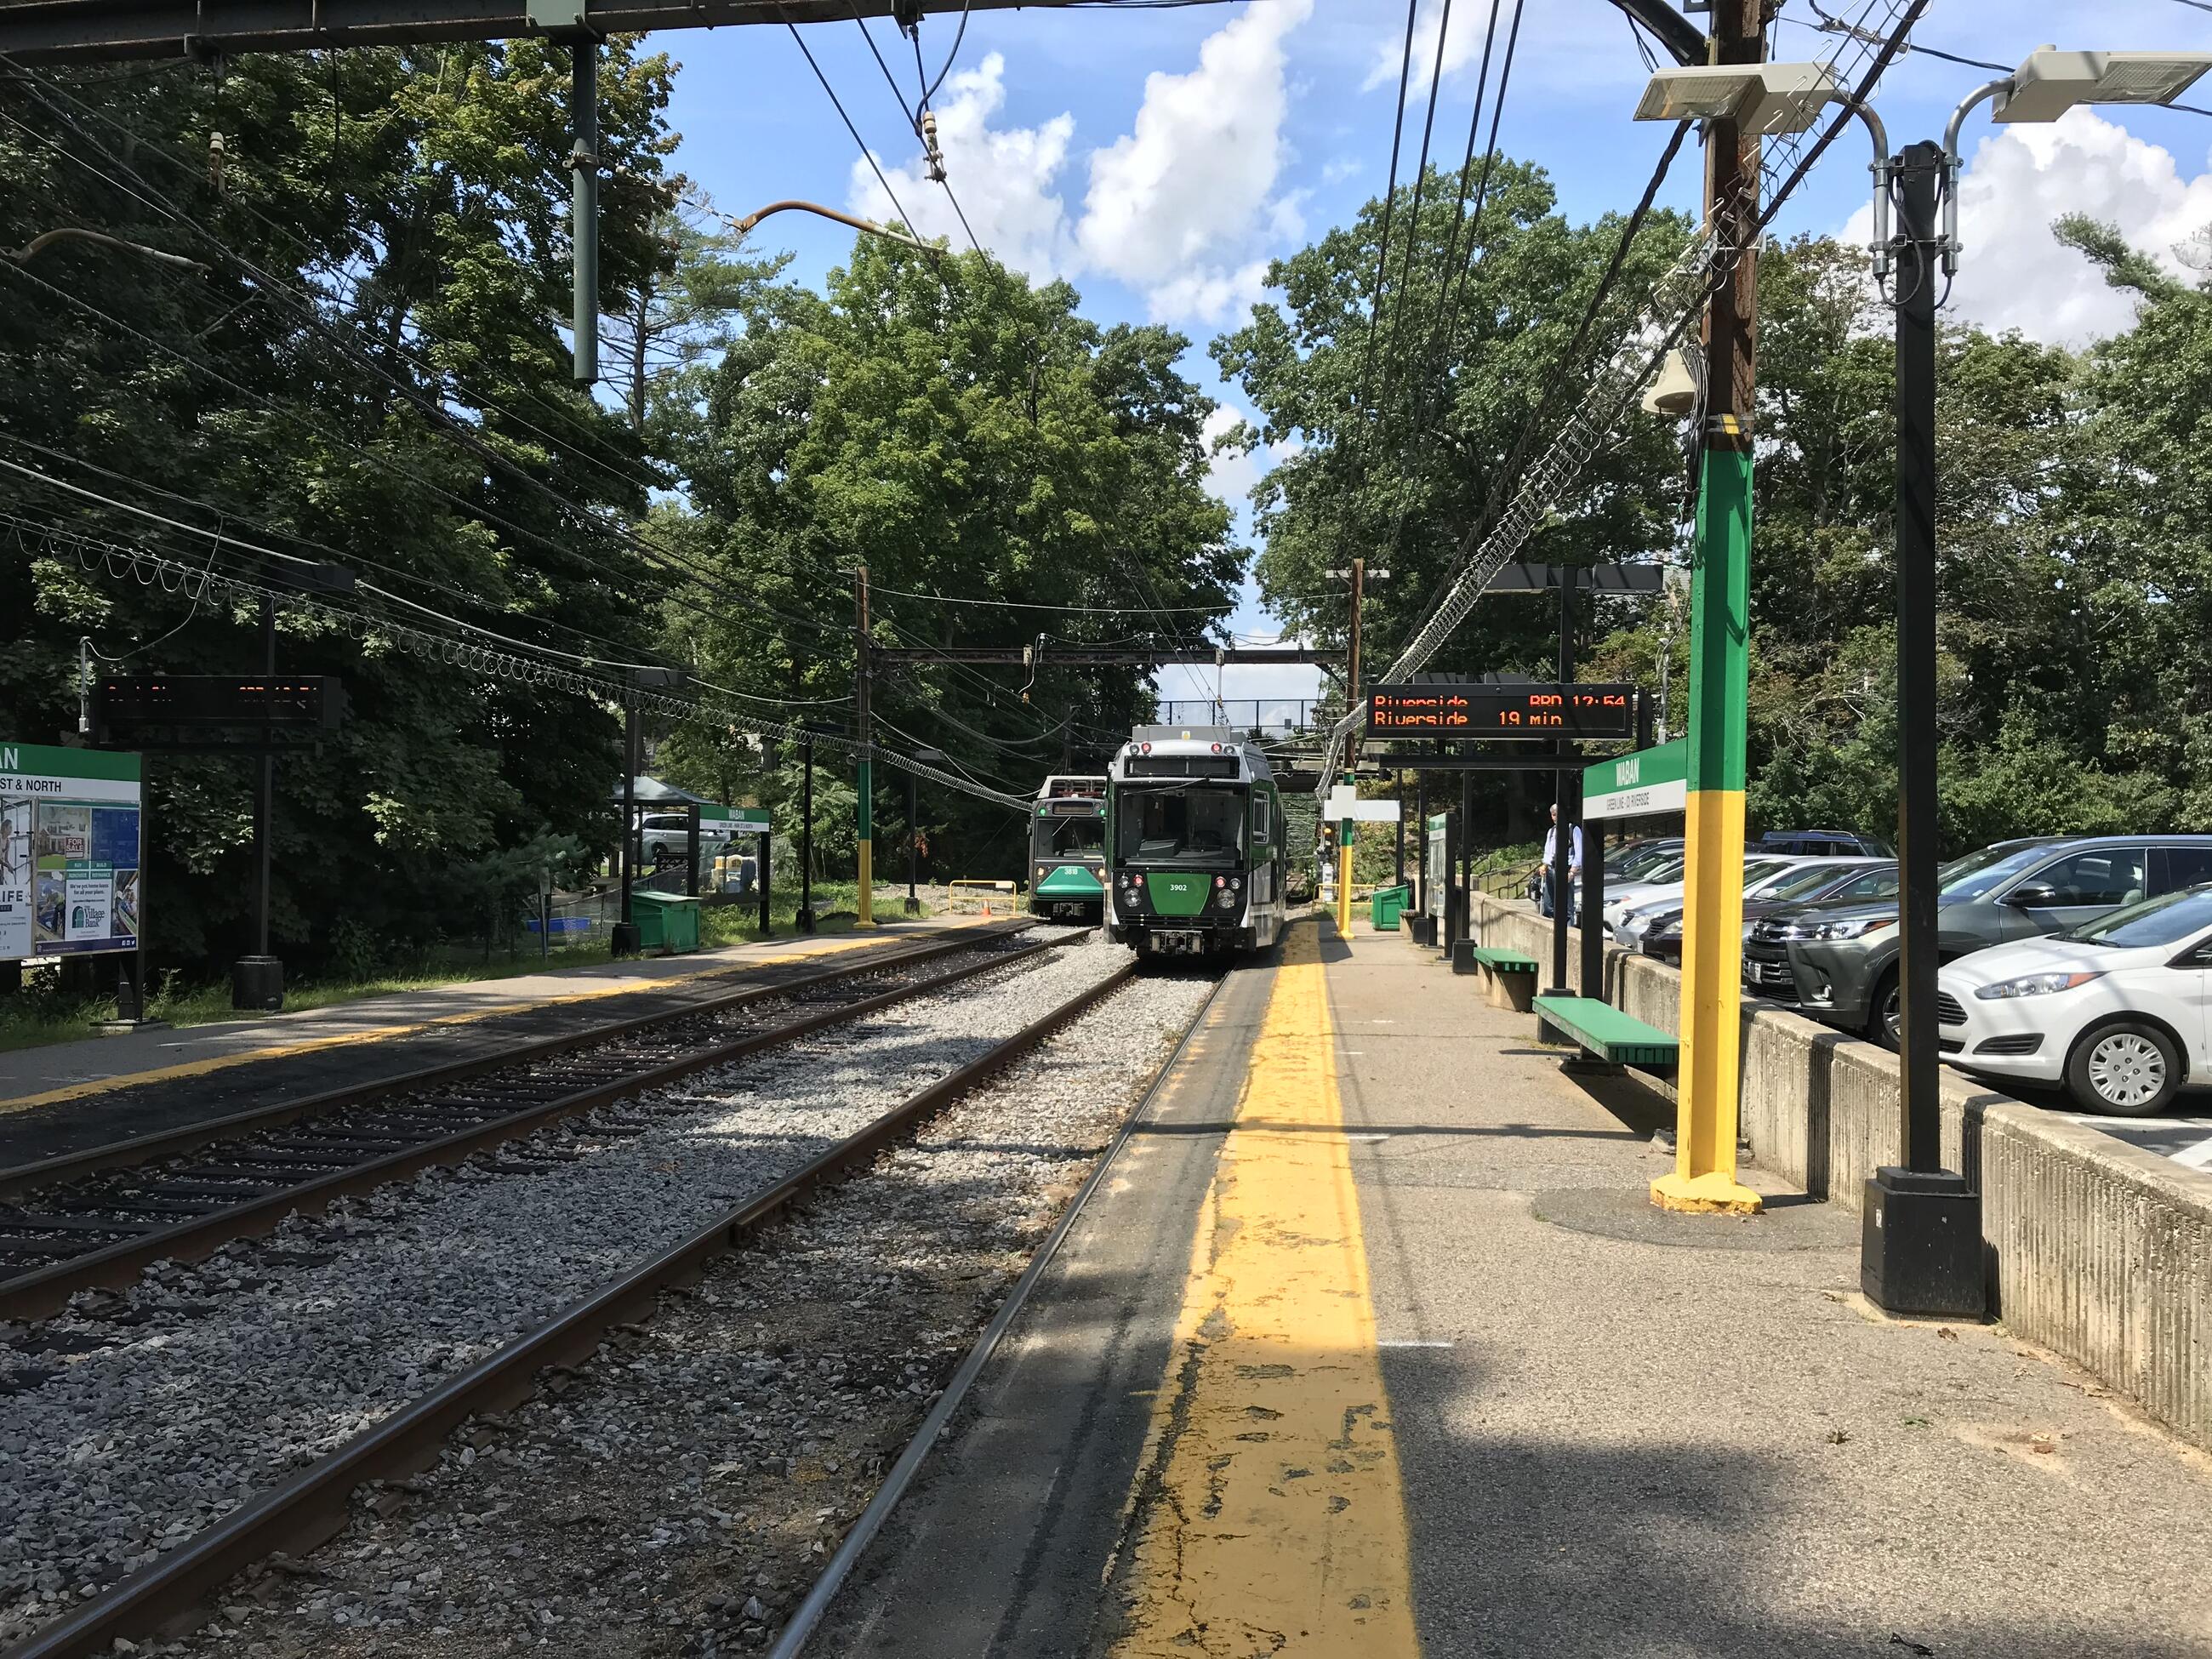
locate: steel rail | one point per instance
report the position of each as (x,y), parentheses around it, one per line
(791,1641)
(20,1178)
(313,1505)
(45,1291)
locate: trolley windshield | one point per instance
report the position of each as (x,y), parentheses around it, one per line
(1179,825)
(1079,839)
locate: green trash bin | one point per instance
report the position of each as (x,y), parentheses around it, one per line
(667,923)
(1388,904)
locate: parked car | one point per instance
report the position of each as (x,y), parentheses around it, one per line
(1839,962)
(666,838)
(1825,844)
(1810,883)
(2119,1010)
(1629,863)
(1646,899)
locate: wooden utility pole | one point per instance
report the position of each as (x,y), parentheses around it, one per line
(1345,831)
(1705,1177)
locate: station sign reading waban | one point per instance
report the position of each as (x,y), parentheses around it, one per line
(1478,710)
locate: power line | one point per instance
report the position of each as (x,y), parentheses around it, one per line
(1389,201)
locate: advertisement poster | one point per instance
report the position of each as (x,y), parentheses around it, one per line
(69,851)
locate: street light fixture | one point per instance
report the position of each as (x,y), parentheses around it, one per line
(1766,101)
(2048,81)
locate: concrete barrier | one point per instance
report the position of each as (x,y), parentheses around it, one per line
(2096,1250)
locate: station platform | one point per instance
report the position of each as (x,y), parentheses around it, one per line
(1370,1343)
(63,1096)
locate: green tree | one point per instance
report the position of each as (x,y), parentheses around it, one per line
(367,366)
(980,446)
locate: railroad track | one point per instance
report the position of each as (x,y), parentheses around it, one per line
(97,1218)
(313,1505)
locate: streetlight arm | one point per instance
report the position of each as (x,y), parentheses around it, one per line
(1879,168)
(1980,94)
(744,226)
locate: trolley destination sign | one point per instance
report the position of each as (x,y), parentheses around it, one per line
(1474,710)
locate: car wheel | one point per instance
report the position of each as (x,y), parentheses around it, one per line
(1886,1013)
(2124,1069)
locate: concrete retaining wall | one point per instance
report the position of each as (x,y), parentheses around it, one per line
(2097,1250)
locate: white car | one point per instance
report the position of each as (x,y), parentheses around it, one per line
(2117,1010)
(1627,918)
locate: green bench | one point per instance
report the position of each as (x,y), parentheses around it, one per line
(1504,962)
(1603,1032)
(1509,979)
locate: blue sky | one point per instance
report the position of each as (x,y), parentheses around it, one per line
(1158,158)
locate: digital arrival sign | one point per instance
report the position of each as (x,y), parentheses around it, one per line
(1476,709)
(70,850)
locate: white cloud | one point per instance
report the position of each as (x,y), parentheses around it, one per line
(1460,48)
(2013,272)
(1182,208)
(1175,205)
(1005,178)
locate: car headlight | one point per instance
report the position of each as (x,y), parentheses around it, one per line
(2035,985)
(1843,927)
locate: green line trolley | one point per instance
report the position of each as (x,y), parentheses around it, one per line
(1067,849)
(1195,840)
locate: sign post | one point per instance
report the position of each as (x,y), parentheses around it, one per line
(71,880)
(1632,786)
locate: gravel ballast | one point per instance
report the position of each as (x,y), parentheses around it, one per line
(149,1414)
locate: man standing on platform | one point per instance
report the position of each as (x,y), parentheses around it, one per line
(1574,856)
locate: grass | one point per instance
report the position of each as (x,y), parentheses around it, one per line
(32,1020)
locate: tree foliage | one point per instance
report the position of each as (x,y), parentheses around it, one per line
(367,366)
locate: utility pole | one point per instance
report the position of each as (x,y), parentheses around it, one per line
(1704,1176)
(865,808)
(1345,832)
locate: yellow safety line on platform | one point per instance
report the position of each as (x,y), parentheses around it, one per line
(1269,1512)
(185,1069)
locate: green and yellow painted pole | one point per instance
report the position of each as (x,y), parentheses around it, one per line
(1346,833)
(1707,1085)
(865,810)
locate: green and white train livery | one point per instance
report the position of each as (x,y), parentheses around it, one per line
(1195,840)
(1067,848)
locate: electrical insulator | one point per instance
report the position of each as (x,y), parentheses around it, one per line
(215,160)
(929,146)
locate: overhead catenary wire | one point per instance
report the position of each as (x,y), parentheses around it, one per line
(149,568)
(1390,202)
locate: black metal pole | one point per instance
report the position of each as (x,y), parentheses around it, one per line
(806,836)
(1421,869)
(691,866)
(630,741)
(264,803)
(912,850)
(1399,778)
(767,920)
(1920,1243)
(1916,659)
(1467,855)
(1563,896)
